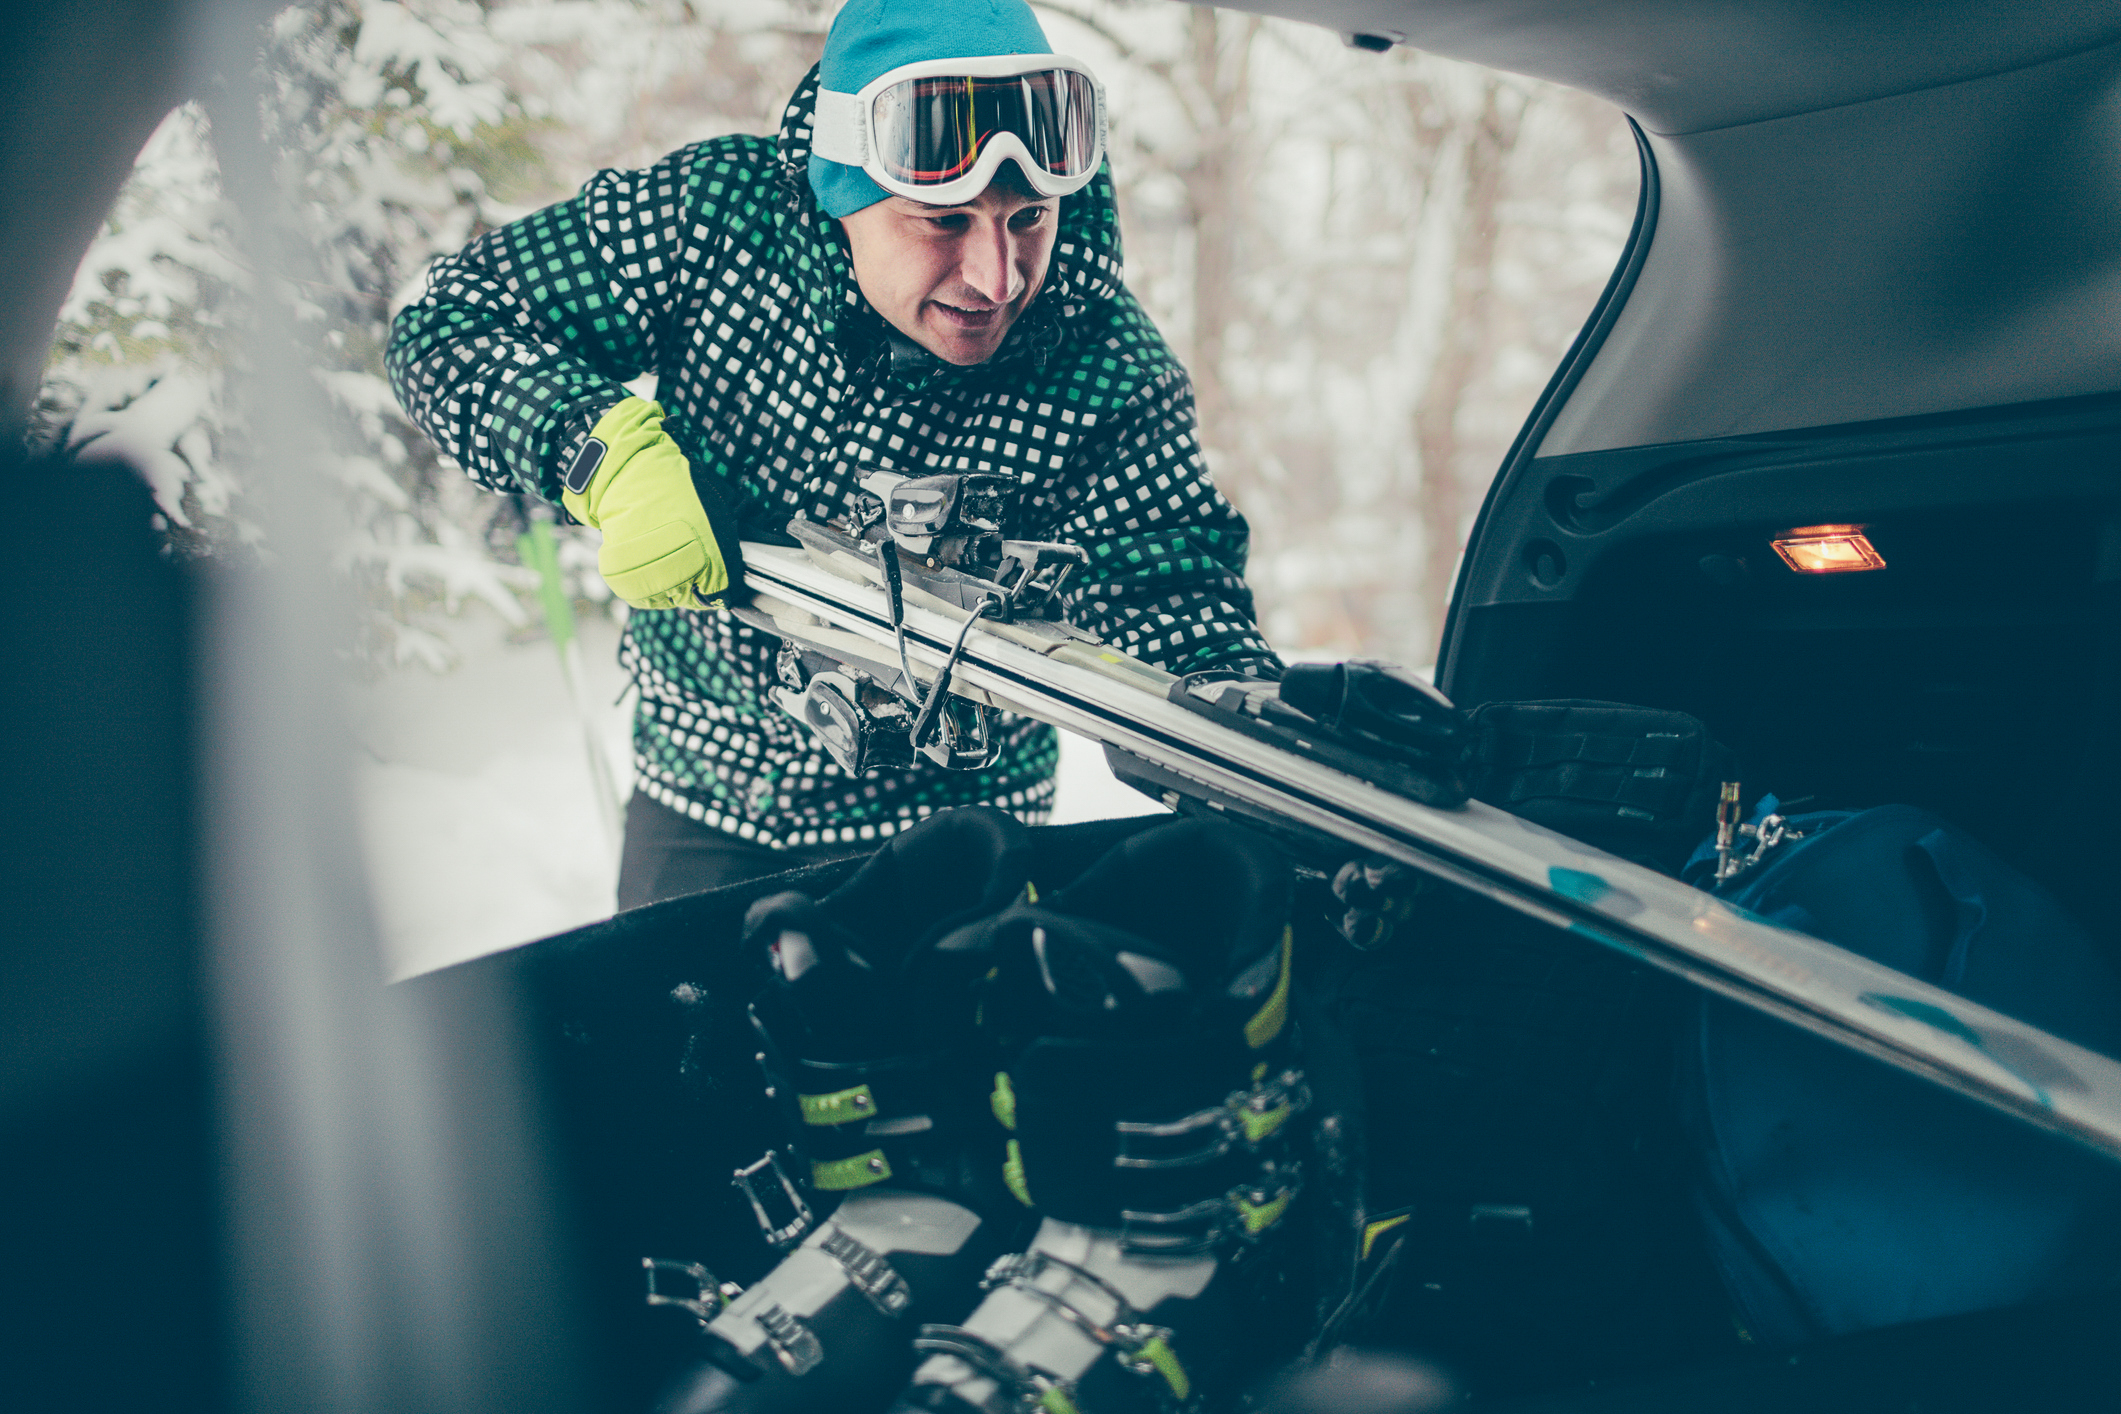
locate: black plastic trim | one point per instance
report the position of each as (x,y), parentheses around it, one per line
(1566,376)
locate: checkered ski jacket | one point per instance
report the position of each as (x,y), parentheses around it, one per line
(716,270)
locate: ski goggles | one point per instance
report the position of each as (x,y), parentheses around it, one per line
(937,131)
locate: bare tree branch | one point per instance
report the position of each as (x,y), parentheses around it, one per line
(1124,47)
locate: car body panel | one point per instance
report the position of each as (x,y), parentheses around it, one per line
(1681,66)
(1954,248)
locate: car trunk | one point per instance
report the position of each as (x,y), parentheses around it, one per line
(1974,673)
(1870,285)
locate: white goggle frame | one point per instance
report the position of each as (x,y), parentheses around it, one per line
(843,129)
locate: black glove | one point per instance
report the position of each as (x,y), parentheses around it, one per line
(1390,714)
(1376,722)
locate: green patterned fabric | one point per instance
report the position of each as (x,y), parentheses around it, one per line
(716,271)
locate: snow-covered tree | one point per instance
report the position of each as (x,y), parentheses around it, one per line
(385,115)
(134,366)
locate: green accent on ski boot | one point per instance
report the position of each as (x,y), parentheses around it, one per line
(979,1013)
(1268,1021)
(839,1107)
(1156,1353)
(839,1175)
(1030,892)
(1003,1101)
(1372,1231)
(1013,1174)
(1258,1217)
(1055,1400)
(1261,1123)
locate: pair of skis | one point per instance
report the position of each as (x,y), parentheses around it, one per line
(975,637)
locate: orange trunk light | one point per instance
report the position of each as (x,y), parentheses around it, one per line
(1828,549)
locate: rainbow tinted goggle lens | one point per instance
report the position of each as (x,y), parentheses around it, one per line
(937,131)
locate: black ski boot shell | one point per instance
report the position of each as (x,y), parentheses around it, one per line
(1148,1088)
(872,1058)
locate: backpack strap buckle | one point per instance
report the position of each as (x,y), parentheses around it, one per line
(1772,831)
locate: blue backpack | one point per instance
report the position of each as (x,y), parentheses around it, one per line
(1842,1195)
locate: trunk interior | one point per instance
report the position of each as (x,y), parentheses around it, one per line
(1974,674)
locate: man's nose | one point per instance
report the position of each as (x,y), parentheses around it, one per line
(988,262)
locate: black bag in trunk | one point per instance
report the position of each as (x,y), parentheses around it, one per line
(1637,781)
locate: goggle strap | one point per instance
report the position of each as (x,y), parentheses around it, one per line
(839,130)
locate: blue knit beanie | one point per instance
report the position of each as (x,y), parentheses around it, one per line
(873,37)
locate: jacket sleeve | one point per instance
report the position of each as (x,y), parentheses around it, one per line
(1165,580)
(522,339)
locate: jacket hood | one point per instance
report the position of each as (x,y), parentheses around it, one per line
(1083,275)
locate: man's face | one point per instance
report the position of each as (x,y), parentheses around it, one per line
(953,278)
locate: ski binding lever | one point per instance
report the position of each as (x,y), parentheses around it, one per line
(1374,721)
(948,531)
(941,535)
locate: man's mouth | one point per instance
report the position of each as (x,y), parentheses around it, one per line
(970,320)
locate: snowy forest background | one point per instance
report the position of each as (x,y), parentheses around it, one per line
(1370,262)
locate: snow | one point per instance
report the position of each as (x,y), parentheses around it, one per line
(1089,790)
(162,405)
(474,794)
(475,801)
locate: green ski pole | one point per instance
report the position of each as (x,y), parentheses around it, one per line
(541,552)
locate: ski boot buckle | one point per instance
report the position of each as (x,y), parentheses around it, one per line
(869,1271)
(710,1294)
(1247,1118)
(781,1236)
(1237,1218)
(1035,1389)
(794,1344)
(1141,1347)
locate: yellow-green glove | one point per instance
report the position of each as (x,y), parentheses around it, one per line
(669,542)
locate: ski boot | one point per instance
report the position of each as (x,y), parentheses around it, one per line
(873,1061)
(1147,1088)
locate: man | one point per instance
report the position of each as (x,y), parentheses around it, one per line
(932,286)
